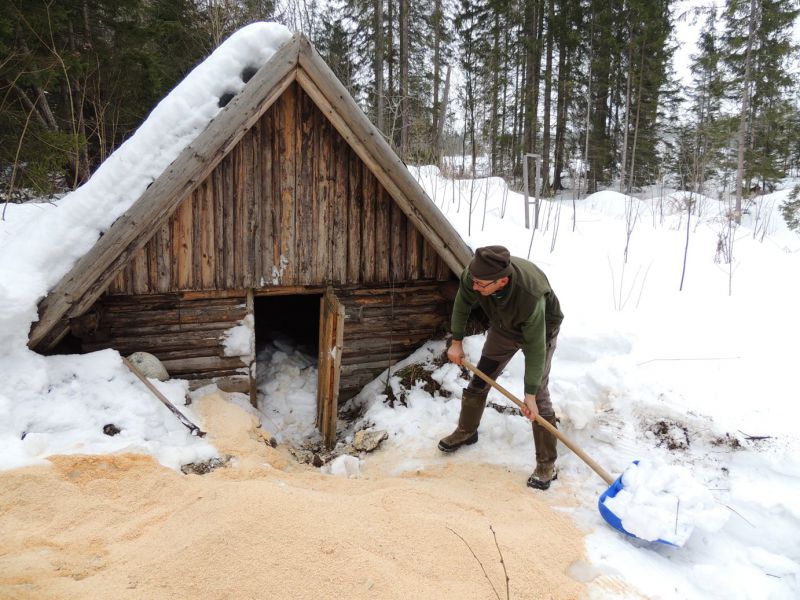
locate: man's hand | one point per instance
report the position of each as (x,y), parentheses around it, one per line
(530,410)
(455,352)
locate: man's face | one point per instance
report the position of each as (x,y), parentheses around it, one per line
(487,287)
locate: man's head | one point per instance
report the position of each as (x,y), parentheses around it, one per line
(490,268)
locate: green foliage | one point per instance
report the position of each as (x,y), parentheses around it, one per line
(759,63)
(78,78)
(791,209)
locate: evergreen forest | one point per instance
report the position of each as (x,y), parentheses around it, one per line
(585,86)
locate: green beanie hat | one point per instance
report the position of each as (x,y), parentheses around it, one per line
(490,263)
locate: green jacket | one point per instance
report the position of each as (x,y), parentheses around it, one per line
(529,313)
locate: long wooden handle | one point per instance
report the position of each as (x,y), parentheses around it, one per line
(181,417)
(541,421)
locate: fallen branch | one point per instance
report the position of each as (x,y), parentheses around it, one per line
(755,437)
(738,514)
(479,562)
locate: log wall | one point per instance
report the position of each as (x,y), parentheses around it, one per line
(185,331)
(385,324)
(290,205)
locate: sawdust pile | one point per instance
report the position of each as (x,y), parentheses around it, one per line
(122,526)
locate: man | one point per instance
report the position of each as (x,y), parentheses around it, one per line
(524,313)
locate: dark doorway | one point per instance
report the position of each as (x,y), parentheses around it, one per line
(287,348)
(292,317)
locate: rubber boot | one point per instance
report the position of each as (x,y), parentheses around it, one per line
(472,405)
(546,454)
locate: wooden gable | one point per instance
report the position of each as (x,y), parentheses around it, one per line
(212,197)
(291,204)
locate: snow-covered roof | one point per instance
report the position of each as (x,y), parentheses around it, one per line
(184,138)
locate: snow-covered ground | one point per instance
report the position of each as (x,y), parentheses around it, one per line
(700,378)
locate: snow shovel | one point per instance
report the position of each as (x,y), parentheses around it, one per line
(615,485)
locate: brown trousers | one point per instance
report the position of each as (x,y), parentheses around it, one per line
(497,351)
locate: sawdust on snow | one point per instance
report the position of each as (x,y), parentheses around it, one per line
(122,526)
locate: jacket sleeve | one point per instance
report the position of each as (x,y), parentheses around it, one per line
(465,299)
(534,347)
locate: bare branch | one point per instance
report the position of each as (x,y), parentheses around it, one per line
(479,562)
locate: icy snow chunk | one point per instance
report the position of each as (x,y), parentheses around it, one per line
(344,466)
(241,339)
(664,502)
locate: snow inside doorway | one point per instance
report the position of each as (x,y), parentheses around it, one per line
(287,342)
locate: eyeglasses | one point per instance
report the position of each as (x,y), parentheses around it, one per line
(483,286)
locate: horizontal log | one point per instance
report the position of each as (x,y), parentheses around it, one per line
(173,317)
(389,322)
(373,345)
(203,364)
(222,296)
(213,374)
(227,383)
(143,330)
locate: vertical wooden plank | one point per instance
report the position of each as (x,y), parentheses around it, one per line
(152,264)
(322,361)
(277,201)
(163,247)
(181,234)
(306,152)
(255,208)
(251,367)
(267,199)
(397,233)
(368,256)
(118,283)
(217,183)
(207,234)
(239,213)
(247,231)
(138,267)
(323,204)
(288,123)
(382,234)
(228,238)
(443,272)
(413,251)
(429,260)
(339,230)
(330,351)
(354,196)
(198,201)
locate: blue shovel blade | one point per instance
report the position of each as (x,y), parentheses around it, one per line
(611,518)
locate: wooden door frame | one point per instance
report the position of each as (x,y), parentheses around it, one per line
(331,338)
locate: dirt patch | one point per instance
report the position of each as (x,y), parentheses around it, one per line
(727,441)
(416,375)
(671,434)
(123,526)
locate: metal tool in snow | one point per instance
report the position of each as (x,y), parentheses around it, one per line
(191,426)
(615,485)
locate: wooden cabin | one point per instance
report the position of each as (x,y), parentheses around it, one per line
(290,207)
